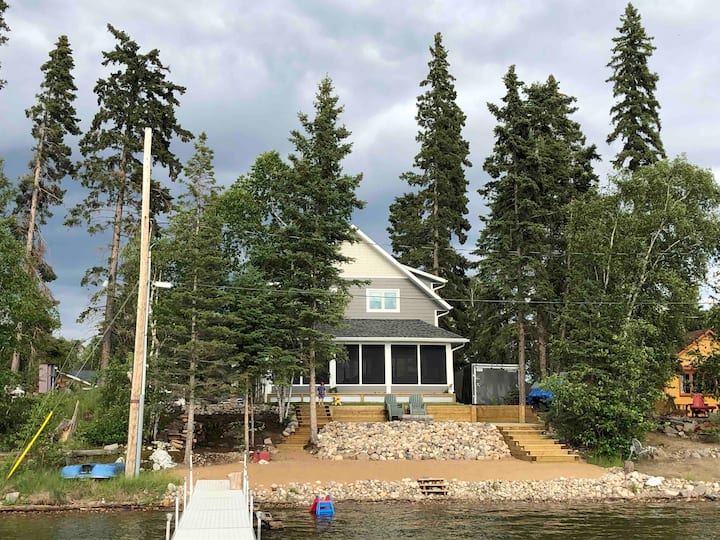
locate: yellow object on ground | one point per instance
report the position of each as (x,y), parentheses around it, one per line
(29,446)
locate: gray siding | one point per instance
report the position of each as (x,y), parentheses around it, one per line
(414,302)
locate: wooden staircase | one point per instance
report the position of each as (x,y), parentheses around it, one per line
(301,436)
(432,486)
(529,443)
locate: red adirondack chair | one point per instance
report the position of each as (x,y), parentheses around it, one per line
(698,407)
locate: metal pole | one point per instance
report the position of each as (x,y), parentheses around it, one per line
(177,509)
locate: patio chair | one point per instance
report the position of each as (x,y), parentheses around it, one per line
(637,449)
(698,407)
(392,408)
(417,407)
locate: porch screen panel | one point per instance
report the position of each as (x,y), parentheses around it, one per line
(373,364)
(347,371)
(432,364)
(404,364)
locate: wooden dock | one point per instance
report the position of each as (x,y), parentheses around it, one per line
(216,512)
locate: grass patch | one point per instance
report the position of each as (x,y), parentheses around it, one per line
(45,486)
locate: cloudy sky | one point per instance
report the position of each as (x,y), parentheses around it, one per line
(250,67)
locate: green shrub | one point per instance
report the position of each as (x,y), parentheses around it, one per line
(602,408)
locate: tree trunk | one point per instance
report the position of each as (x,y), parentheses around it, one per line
(542,344)
(112,277)
(436,233)
(246,423)
(193,358)
(313,393)
(521,366)
(190,426)
(30,237)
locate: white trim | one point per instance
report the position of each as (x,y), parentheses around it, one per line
(403,269)
(382,292)
(379,340)
(431,277)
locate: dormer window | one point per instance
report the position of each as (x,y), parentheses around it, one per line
(379,300)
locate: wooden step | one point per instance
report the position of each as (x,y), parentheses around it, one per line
(530,444)
(432,486)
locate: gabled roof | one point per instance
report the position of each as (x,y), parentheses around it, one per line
(405,270)
(413,330)
(693,338)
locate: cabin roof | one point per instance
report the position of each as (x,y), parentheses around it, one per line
(392,329)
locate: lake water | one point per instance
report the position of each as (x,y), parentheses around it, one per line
(617,520)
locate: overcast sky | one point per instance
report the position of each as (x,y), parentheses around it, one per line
(250,67)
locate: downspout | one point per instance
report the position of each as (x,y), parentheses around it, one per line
(439,314)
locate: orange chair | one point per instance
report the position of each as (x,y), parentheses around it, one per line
(698,407)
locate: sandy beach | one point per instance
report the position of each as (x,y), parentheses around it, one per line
(289,466)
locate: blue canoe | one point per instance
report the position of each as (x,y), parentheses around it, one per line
(93,470)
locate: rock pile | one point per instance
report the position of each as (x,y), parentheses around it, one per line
(381,441)
(613,485)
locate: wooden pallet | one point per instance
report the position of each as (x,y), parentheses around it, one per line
(432,486)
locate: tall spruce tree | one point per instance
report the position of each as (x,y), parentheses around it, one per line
(539,165)
(425,222)
(307,214)
(4,29)
(53,118)
(201,341)
(562,165)
(511,234)
(636,111)
(136,96)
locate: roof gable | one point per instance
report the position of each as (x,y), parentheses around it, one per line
(370,260)
(702,342)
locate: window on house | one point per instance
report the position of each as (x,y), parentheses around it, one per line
(687,383)
(383,300)
(404,364)
(347,371)
(373,364)
(432,364)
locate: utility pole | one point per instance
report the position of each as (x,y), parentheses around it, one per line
(133,454)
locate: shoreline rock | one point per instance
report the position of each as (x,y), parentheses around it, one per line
(614,485)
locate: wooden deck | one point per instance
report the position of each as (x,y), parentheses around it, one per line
(216,512)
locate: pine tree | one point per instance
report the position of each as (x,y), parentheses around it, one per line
(307,212)
(562,164)
(22,301)
(53,117)
(635,113)
(425,222)
(136,96)
(539,165)
(201,339)
(4,28)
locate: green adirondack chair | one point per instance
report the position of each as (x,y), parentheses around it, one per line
(416,405)
(392,408)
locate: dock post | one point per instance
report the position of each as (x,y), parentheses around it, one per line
(168,519)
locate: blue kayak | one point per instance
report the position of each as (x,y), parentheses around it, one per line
(93,470)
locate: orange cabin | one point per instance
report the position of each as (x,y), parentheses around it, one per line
(680,388)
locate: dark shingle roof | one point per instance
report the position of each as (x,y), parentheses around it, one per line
(391,328)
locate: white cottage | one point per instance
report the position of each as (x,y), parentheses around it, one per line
(391,332)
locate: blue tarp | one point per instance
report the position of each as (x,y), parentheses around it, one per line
(537,396)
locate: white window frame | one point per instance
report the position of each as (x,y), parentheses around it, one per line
(369,293)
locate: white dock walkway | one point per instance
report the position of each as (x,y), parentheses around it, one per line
(215,512)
